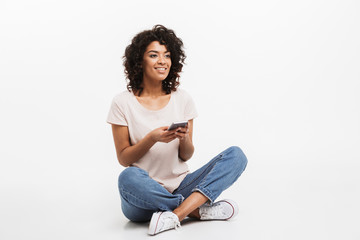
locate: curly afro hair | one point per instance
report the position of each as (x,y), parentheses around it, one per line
(134,54)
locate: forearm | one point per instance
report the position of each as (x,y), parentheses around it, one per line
(133,153)
(186,149)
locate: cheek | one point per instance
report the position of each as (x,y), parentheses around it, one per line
(147,65)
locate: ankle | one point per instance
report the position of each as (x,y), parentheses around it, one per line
(195,214)
(179,215)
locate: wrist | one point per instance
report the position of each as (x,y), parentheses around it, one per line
(151,138)
(185,139)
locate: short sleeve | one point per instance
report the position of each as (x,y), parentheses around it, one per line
(190,108)
(116,113)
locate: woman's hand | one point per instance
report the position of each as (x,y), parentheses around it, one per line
(162,135)
(182,132)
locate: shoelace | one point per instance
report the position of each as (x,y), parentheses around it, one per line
(212,211)
(177,226)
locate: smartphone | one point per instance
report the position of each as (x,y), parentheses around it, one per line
(175,125)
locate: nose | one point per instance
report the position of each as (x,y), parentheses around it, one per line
(161,60)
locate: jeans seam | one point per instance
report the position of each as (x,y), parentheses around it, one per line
(199,186)
(215,160)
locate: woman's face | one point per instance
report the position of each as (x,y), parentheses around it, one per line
(156,62)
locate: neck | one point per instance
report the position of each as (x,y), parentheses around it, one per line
(152,89)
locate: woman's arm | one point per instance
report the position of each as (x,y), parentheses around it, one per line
(128,154)
(186,148)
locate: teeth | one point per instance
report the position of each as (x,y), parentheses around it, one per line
(161,69)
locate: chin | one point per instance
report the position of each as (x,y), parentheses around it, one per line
(162,78)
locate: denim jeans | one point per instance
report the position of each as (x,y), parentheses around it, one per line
(141,196)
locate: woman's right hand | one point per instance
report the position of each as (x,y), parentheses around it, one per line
(162,135)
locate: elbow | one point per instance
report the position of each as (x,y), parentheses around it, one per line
(184,159)
(123,164)
(122,161)
(123,157)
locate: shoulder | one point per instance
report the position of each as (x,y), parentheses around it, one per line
(181,93)
(121,101)
(122,97)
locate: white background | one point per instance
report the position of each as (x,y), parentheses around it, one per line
(280,79)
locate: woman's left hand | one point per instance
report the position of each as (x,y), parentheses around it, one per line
(182,133)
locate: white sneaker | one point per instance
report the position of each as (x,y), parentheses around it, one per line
(221,210)
(162,221)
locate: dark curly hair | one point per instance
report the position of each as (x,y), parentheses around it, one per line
(134,54)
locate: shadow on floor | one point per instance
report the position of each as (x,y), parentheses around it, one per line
(136,225)
(145,225)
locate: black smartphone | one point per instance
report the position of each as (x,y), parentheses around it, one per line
(175,125)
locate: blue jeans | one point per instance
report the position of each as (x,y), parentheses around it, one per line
(141,196)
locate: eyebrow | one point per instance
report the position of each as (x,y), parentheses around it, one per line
(156,51)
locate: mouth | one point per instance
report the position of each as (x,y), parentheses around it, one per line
(160,68)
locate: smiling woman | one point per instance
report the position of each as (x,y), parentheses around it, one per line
(157,184)
(165,45)
(156,63)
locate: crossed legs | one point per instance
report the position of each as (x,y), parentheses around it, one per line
(190,206)
(141,195)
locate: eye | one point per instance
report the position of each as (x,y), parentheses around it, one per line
(167,56)
(153,55)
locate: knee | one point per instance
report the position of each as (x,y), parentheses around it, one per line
(128,177)
(239,159)
(134,213)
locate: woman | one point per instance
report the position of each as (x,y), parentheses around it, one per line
(157,184)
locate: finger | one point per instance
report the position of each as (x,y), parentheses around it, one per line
(180,135)
(182,130)
(166,138)
(172,131)
(183,133)
(169,133)
(164,129)
(169,138)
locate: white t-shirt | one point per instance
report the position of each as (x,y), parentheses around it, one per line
(162,161)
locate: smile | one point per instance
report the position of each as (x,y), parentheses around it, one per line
(160,68)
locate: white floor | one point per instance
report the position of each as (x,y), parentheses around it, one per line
(278,78)
(294,204)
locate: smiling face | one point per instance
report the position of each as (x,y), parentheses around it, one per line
(156,62)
